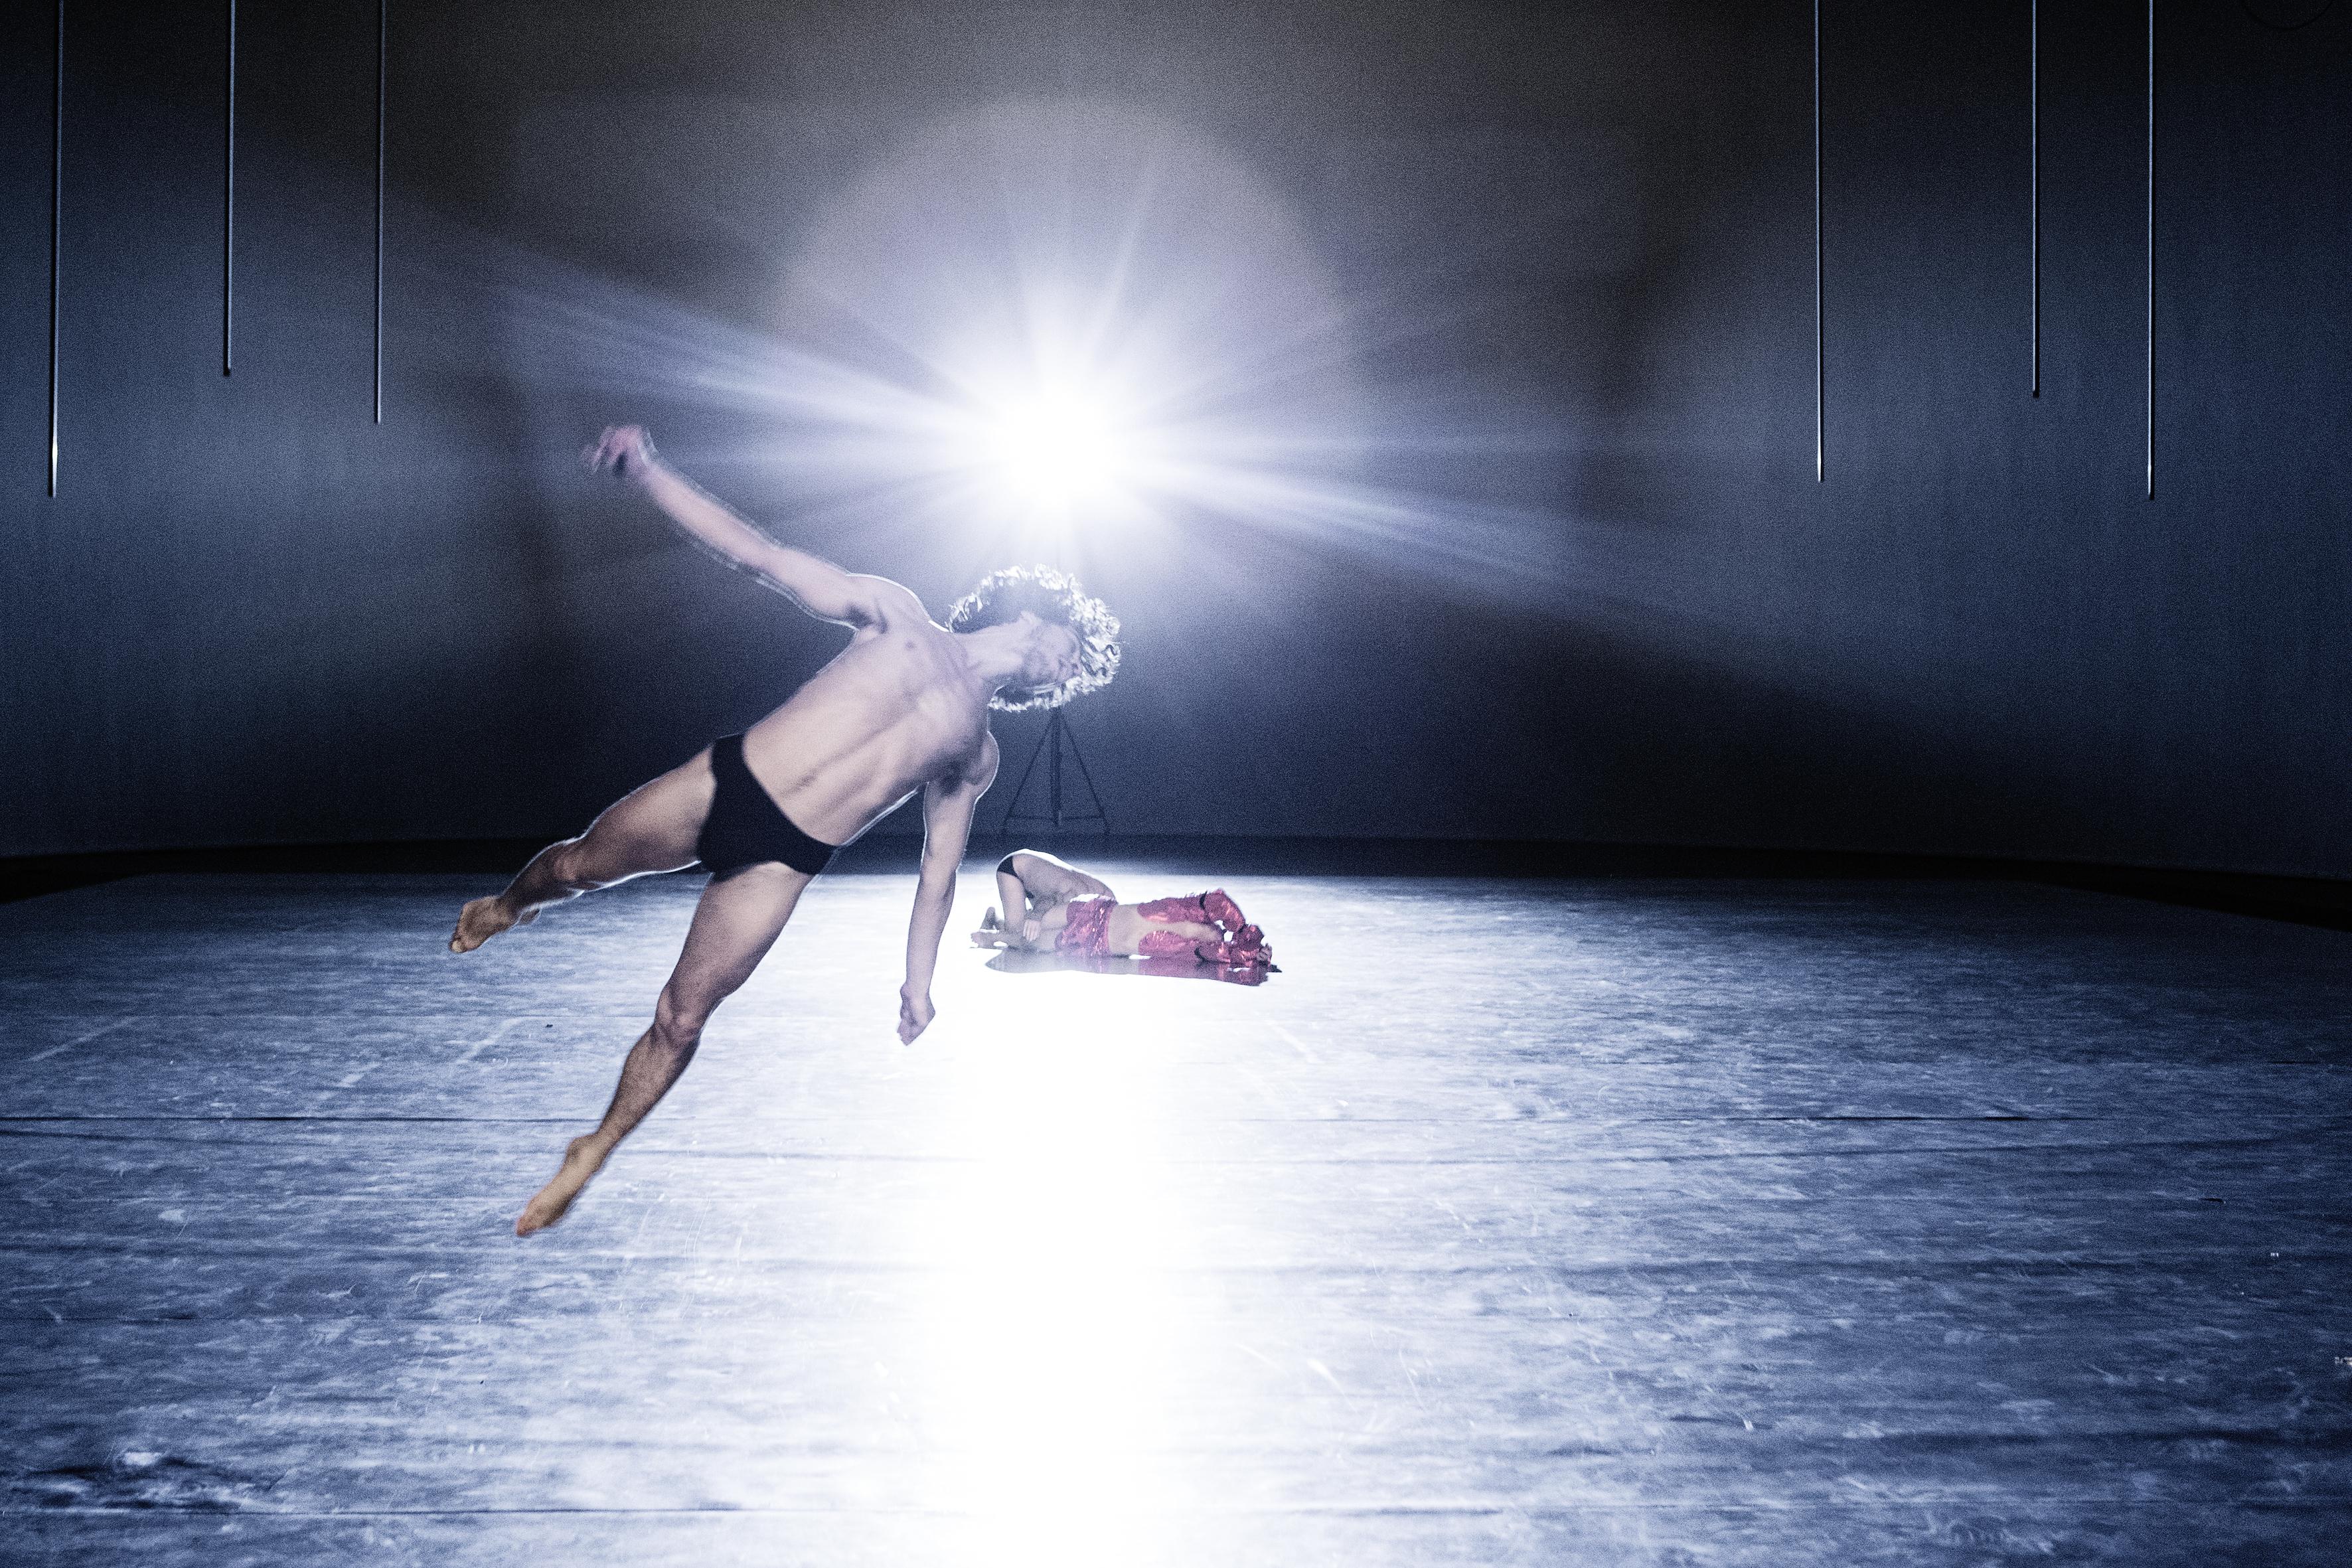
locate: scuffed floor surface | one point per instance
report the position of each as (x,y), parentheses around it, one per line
(1592,1222)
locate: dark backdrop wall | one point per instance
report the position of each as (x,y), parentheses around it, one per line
(1569,575)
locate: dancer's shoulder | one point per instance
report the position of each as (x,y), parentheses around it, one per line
(891,605)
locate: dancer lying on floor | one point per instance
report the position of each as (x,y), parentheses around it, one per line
(1048,902)
(903,707)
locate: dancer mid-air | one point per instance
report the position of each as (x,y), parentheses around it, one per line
(904,706)
(1051,904)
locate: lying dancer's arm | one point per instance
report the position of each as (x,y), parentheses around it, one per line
(948,806)
(818,586)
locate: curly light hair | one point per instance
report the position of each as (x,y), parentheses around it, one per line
(1053,596)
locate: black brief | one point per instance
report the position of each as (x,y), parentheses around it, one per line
(745,827)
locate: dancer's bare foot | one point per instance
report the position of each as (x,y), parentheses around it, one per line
(583,1158)
(483,919)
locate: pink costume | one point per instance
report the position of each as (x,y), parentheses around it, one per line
(1087,930)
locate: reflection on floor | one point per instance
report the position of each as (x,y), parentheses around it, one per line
(1591,1222)
(1013,961)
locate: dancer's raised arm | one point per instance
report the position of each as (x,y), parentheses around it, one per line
(817,585)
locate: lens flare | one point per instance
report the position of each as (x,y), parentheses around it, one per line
(1060,449)
(1080,329)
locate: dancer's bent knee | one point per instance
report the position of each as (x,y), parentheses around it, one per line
(678,1028)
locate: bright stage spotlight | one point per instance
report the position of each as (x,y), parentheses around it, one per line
(1056,451)
(1060,449)
(1063,454)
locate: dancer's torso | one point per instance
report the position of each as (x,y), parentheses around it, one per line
(895,709)
(1126,930)
(1122,925)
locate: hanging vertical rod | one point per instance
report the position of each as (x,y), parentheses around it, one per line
(2033,136)
(57,224)
(382,36)
(1819,380)
(2151,249)
(228,206)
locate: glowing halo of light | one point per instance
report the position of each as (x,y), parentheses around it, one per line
(1056,447)
(1031,248)
(1091,311)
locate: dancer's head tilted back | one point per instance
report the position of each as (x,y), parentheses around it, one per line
(1052,605)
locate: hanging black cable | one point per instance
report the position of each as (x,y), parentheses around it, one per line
(2151,249)
(2033,136)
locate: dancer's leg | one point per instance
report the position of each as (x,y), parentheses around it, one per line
(1213,907)
(1208,925)
(651,828)
(1181,942)
(734,925)
(1174,940)
(1175,936)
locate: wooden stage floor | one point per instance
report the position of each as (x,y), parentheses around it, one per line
(1761,1223)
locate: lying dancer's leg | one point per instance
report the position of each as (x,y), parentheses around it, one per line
(1244,943)
(651,828)
(1223,936)
(734,925)
(1251,954)
(1175,938)
(1213,908)
(1223,910)
(1175,912)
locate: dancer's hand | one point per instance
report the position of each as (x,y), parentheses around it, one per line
(625,449)
(914,1014)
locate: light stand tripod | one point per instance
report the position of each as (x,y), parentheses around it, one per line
(1056,741)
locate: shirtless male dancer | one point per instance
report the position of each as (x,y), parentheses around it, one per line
(904,706)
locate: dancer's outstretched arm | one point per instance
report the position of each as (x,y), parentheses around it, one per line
(948,806)
(817,585)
